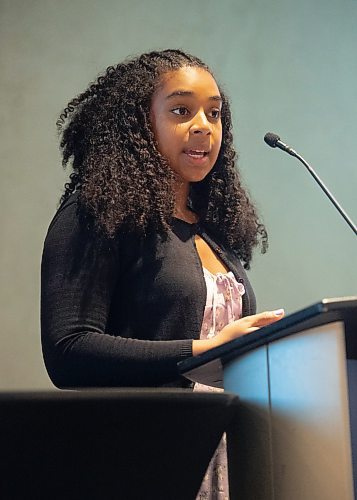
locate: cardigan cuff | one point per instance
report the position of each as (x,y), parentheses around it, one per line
(186,349)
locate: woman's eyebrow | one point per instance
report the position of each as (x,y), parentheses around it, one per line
(190,93)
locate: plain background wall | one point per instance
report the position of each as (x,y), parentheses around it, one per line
(289,67)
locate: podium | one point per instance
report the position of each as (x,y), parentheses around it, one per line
(109,444)
(295,436)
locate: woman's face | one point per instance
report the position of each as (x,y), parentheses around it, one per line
(186,119)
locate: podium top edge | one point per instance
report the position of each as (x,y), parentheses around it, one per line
(325,311)
(341,301)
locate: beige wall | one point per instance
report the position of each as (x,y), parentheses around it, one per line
(289,67)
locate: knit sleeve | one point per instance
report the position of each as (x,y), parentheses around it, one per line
(78,276)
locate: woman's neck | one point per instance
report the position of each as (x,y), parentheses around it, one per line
(182,211)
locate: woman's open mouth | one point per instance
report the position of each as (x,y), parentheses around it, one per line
(196,153)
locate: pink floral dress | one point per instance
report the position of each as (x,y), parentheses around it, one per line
(223,305)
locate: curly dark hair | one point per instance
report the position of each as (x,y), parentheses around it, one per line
(122,178)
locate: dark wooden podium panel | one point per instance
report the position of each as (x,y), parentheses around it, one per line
(109,444)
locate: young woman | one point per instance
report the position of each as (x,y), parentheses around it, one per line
(143,263)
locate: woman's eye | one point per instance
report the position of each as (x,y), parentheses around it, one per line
(215,113)
(181,110)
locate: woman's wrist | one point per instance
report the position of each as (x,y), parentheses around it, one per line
(201,346)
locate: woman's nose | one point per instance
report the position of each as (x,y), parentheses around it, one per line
(200,124)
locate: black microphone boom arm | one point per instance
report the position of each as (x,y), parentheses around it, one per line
(274,141)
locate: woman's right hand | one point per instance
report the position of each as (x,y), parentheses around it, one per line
(236,329)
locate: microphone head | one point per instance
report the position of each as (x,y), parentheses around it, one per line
(271,139)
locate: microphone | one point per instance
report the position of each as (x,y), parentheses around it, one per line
(273,140)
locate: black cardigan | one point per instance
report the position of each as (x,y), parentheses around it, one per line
(122,312)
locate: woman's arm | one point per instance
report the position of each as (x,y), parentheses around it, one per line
(79,273)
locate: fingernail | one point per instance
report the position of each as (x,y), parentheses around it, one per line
(278,312)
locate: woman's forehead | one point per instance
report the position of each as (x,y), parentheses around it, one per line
(188,79)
